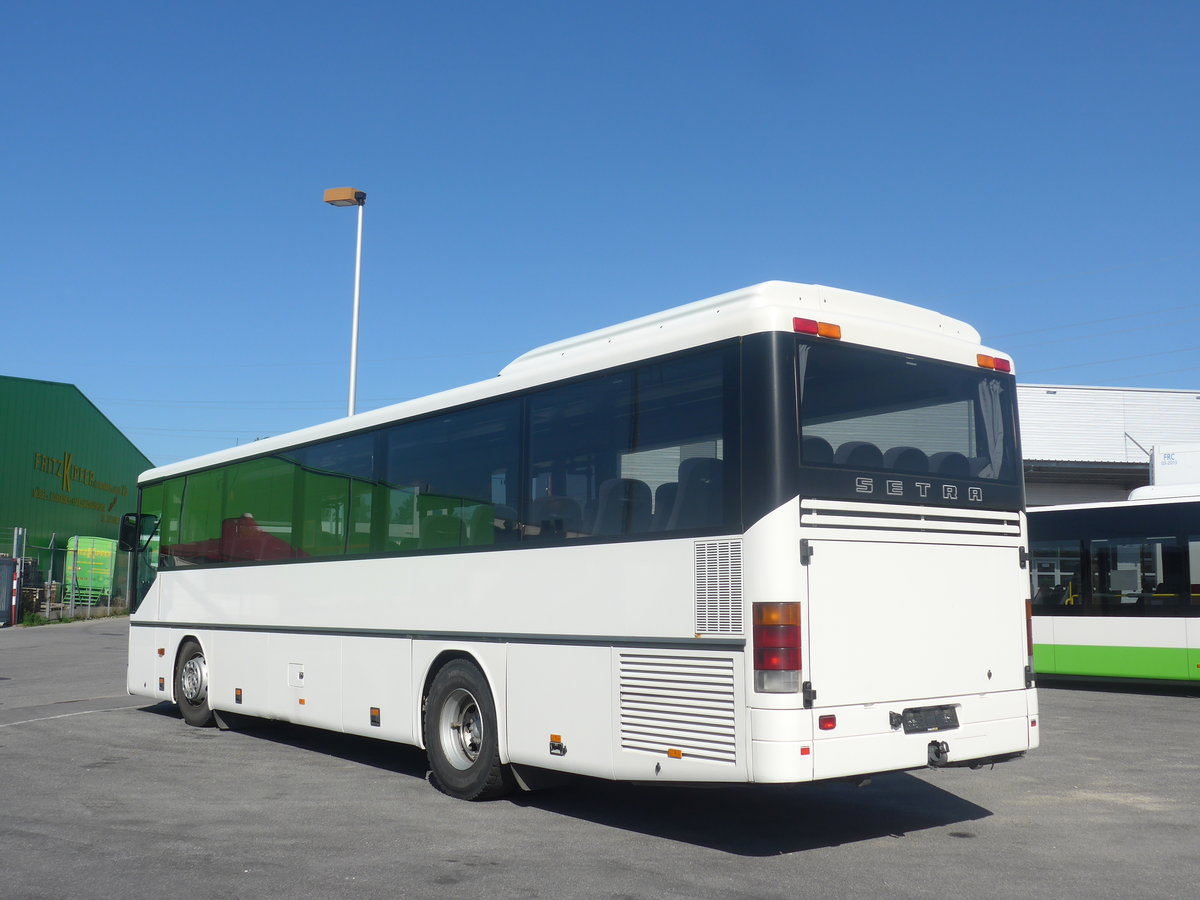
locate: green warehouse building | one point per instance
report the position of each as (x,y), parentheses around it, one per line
(65,471)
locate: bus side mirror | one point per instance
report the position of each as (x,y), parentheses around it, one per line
(136,531)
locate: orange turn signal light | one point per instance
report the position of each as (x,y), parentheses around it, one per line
(785,613)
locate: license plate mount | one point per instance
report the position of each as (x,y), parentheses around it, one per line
(929,719)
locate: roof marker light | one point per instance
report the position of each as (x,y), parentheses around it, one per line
(999,363)
(1003,365)
(829,330)
(812,326)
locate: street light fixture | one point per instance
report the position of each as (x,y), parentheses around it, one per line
(352,197)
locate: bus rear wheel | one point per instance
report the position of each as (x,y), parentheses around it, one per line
(191,685)
(461,735)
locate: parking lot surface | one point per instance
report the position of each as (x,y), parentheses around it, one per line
(106,795)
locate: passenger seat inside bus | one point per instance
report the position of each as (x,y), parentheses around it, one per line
(439,531)
(557,516)
(701,488)
(859,455)
(950,464)
(623,507)
(907,459)
(664,502)
(816,451)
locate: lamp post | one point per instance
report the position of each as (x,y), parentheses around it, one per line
(352,197)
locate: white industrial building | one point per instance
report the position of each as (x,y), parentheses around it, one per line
(1084,444)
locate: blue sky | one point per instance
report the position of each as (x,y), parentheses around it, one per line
(538,169)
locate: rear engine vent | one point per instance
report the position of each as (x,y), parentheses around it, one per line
(683,703)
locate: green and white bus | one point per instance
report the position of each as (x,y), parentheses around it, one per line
(772,536)
(1116,588)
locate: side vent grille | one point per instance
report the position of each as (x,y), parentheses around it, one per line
(683,703)
(719,587)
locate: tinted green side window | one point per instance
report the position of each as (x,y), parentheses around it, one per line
(362,504)
(164,500)
(172,511)
(200,525)
(152,500)
(147,559)
(324,513)
(649,448)
(259,500)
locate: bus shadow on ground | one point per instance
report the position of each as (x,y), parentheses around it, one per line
(380,754)
(745,820)
(763,820)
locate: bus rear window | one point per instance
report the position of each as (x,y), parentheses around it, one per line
(904,417)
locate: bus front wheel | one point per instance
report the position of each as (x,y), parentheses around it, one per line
(461,735)
(191,685)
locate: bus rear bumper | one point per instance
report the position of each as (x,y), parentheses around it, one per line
(862,741)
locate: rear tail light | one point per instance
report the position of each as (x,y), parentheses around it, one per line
(777,648)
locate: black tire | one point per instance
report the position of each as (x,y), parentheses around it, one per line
(461,736)
(191,686)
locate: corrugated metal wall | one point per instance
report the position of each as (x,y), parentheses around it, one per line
(1092,424)
(65,469)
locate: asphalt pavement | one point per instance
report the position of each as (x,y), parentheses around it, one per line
(106,795)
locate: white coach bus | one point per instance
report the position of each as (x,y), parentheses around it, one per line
(772,536)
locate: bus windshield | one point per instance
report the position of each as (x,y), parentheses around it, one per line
(885,426)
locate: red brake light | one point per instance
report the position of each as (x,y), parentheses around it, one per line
(804,326)
(827,723)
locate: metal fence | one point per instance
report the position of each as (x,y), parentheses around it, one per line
(61,581)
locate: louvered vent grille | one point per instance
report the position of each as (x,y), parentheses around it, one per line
(683,703)
(881,517)
(718,587)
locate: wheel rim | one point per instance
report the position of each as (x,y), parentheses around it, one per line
(193,680)
(460,729)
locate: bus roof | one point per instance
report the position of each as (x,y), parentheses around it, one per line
(1160,500)
(769,306)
